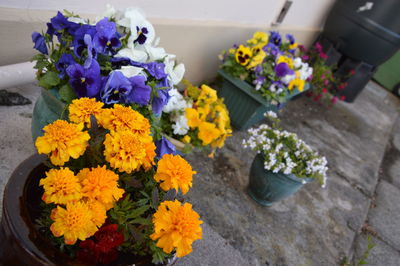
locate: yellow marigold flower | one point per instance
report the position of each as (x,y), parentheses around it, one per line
(257,59)
(207,94)
(192,117)
(62,140)
(60,186)
(74,222)
(176,226)
(299,83)
(208,132)
(99,212)
(128,151)
(81,109)
(186,139)
(259,37)
(174,172)
(124,118)
(243,55)
(100,184)
(285,59)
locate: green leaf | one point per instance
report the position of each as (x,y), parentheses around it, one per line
(67,94)
(137,212)
(49,80)
(142,221)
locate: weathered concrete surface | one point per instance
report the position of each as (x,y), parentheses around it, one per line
(15,134)
(381,255)
(385,216)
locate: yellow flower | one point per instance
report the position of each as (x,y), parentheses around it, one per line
(207,94)
(285,59)
(293,46)
(99,212)
(60,186)
(81,109)
(124,118)
(243,55)
(101,185)
(221,140)
(257,59)
(208,132)
(128,151)
(192,117)
(186,139)
(176,226)
(62,140)
(174,172)
(74,222)
(232,51)
(259,37)
(299,83)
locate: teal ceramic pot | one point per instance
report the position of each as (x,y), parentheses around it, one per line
(246,106)
(48,108)
(266,187)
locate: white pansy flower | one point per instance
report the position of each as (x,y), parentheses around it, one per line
(175,73)
(133,54)
(181,126)
(288,78)
(131,71)
(77,20)
(297,62)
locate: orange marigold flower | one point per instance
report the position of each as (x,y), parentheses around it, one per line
(174,172)
(208,132)
(100,184)
(60,186)
(81,109)
(99,212)
(74,222)
(62,140)
(128,151)
(176,226)
(124,118)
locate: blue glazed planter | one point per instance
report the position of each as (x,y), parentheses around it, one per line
(246,106)
(48,108)
(266,187)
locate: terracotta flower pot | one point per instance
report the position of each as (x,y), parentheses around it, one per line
(21,242)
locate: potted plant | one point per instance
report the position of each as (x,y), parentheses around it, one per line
(261,75)
(115,60)
(103,196)
(324,85)
(196,117)
(283,163)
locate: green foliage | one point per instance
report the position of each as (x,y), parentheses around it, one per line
(67,94)
(49,80)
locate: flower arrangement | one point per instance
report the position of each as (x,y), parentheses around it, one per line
(268,63)
(115,60)
(324,83)
(196,117)
(108,193)
(284,152)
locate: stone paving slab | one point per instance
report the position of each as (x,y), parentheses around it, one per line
(385,217)
(380,255)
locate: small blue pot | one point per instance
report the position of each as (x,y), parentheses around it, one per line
(266,187)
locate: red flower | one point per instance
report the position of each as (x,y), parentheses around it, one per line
(342,98)
(324,90)
(103,249)
(323,55)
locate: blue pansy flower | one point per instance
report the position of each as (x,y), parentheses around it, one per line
(60,22)
(91,51)
(282,69)
(116,88)
(162,97)
(65,61)
(40,43)
(275,38)
(85,81)
(290,38)
(155,69)
(141,92)
(79,38)
(106,40)
(164,146)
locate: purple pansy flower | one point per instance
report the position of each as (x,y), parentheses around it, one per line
(275,38)
(142,32)
(60,22)
(155,69)
(140,92)
(65,61)
(290,38)
(91,51)
(164,146)
(106,40)
(40,43)
(79,38)
(85,81)
(116,88)
(282,69)
(162,97)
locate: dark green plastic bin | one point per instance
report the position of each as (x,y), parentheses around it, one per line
(48,108)
(266,187)
(246,106)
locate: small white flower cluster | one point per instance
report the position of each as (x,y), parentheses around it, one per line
(177,105)
(305,71)
(285,152)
